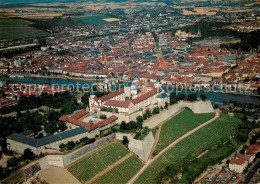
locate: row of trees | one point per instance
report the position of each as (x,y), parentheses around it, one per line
(71,144)
(64,100)
(174,98)
(109,109)
(30,121)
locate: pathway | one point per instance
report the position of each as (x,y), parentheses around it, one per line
(157,136)
(135,177)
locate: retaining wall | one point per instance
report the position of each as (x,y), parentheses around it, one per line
(197,107)
(81,152)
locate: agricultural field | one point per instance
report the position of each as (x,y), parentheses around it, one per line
(192,146)
(91,165)
(97,19)
(17,28)
(179,125)
(123,172)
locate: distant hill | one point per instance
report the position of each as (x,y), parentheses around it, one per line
(100,1)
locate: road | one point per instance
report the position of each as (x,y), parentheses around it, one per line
(252,171)
(136,176)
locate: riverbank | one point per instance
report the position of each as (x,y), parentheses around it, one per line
(65,78)
(216,97)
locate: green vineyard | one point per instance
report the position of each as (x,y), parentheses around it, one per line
(193,145)
(123,172)
(97,162)
(179,125)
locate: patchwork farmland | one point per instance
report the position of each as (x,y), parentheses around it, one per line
(179,125)
(192,146)
(91,165)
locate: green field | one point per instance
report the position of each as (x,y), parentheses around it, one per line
(95,19)
(17,28)
(192,146)
(97,162)
(179,125)
(123,172)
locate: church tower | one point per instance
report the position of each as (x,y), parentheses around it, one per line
(238,58)
(199,33)
(127,90)
(158,83)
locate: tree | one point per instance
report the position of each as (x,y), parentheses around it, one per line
(28,154)
(70,145)
(125,140)
(109,109)
(145,116)
(86,140)
(103,116)
(192,97)
(139,119)
(51,127)
(156,110)
(12,162)
(62,146)
(203,97)
(123,125)
(148,113)
(62,126)
(166,105)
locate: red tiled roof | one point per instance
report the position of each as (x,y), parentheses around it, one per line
(237,161)
(7,104)
(80,114)
(90,126)
(243,157)
(144,96)
(63,118)
(107,121)
(254,147)
(111,95)
(117,103)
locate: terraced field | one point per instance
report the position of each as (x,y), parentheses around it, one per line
(97,162)
(123,172)
(193,145)
(179,125)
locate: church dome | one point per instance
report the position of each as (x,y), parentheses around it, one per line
(133,87)
(127,84)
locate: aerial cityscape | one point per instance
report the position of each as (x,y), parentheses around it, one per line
(129,91)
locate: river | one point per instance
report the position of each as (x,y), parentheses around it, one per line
(214,96)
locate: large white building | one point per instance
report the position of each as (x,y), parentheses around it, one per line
(132,98)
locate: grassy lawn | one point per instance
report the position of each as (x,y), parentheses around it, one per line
(192,146)
(123,172)
(179,125)
(97,162)
(16,28)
